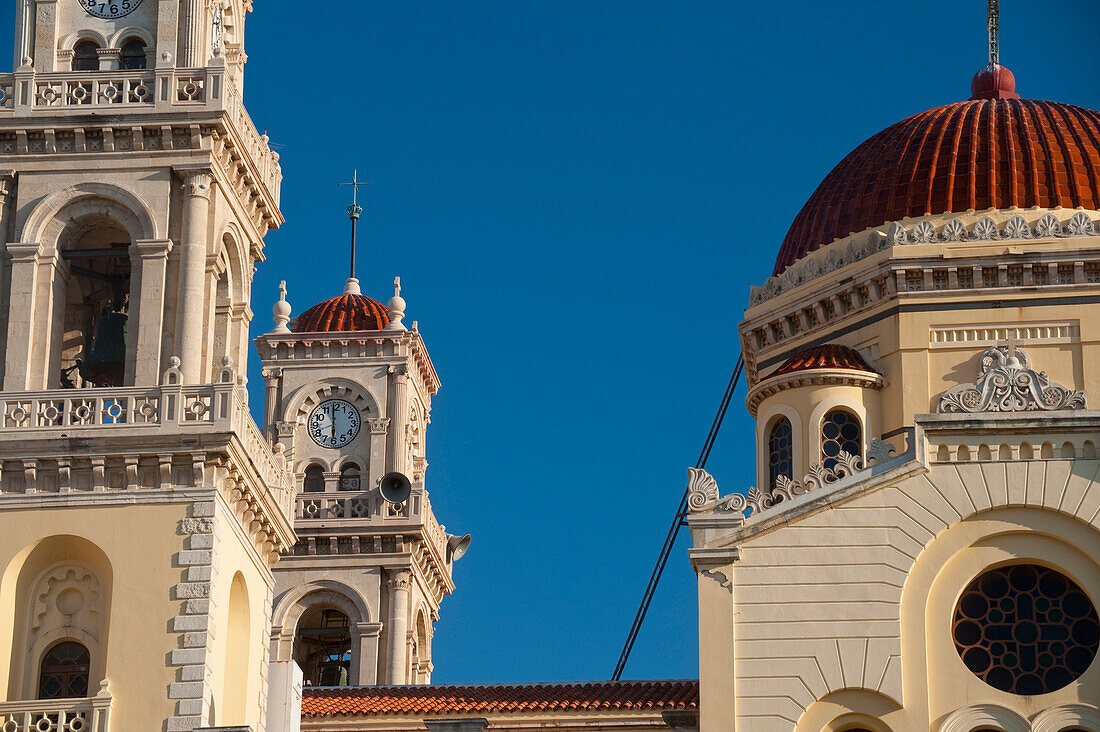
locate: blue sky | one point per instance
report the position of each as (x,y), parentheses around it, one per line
(577,196)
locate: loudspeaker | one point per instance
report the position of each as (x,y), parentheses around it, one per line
(395,487)
(457,546)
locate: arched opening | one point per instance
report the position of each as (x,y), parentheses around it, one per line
(840,432)
(86,56)
(322,647)
(133,54)
(60,588)
(780,451)
(64,671)
(237,652)
(349,477)
(420,673)
(96,269)
(314,481)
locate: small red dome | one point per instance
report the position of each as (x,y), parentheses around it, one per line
(828,356)
(986,153)
(993,82)
(348,312)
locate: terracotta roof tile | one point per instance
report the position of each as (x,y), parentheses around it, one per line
(347,312)
(497,698)
(828,356)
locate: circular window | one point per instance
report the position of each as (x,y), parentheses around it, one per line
(1026,629)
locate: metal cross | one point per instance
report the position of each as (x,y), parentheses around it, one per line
(353,211)
(355,182)
(994,25)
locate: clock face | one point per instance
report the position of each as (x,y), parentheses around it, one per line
(110,8)
(334,423)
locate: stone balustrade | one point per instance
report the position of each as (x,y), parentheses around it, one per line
(147,411)
(27,93)
(58,715)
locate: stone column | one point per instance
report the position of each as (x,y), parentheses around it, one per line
(400,416)
(7,196)
(379,428)
(364,640)
(192,294)
(398,626)
(143,352)
(193,32)
(24,279)
(272,378)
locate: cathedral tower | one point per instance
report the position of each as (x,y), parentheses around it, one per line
(348,401)
(141,507)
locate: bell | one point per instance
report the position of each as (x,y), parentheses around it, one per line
(106,364)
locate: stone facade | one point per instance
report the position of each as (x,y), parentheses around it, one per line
(134,484)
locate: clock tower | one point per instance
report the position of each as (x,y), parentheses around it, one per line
(141,506)
(348,401)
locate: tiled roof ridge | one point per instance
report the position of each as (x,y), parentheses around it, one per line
(445,699)
(513,685)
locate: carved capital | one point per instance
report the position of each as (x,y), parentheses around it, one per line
(152,248)
(197,183)
(379,425)
(400,580)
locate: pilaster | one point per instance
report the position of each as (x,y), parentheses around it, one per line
(366,637)
(21,312)
(148,283)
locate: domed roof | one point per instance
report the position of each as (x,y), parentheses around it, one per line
(828,356)
(347,312)
(991,152)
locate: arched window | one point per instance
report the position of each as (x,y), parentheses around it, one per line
(349,477)
(314,481)
(86,56)
(133,54)
(840,432)
(780,451)
(64,672)
(323,647)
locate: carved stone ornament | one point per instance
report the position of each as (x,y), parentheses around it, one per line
(1048,225)
(703,489)
(1007,383)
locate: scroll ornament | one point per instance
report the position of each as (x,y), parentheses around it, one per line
(1007,383)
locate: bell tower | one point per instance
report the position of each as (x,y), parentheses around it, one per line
(141,506)
(349,390)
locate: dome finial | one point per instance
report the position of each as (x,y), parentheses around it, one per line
(281,311)
(994,81)
(396,308)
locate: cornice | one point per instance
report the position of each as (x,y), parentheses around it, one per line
(810,377)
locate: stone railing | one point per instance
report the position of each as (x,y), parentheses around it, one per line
(335,506)
(257,145)
(221,406)
(434,531)
(58,715)
(27,93)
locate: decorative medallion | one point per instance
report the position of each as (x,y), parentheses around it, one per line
(1007,383)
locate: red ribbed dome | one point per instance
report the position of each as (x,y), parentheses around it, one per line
(980,154)
(347,312)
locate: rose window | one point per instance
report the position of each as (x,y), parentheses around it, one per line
(1026,629)
(840,432)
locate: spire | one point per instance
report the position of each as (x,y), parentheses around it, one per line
(396,308)
(994,24)
(281,311)
(354,211)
